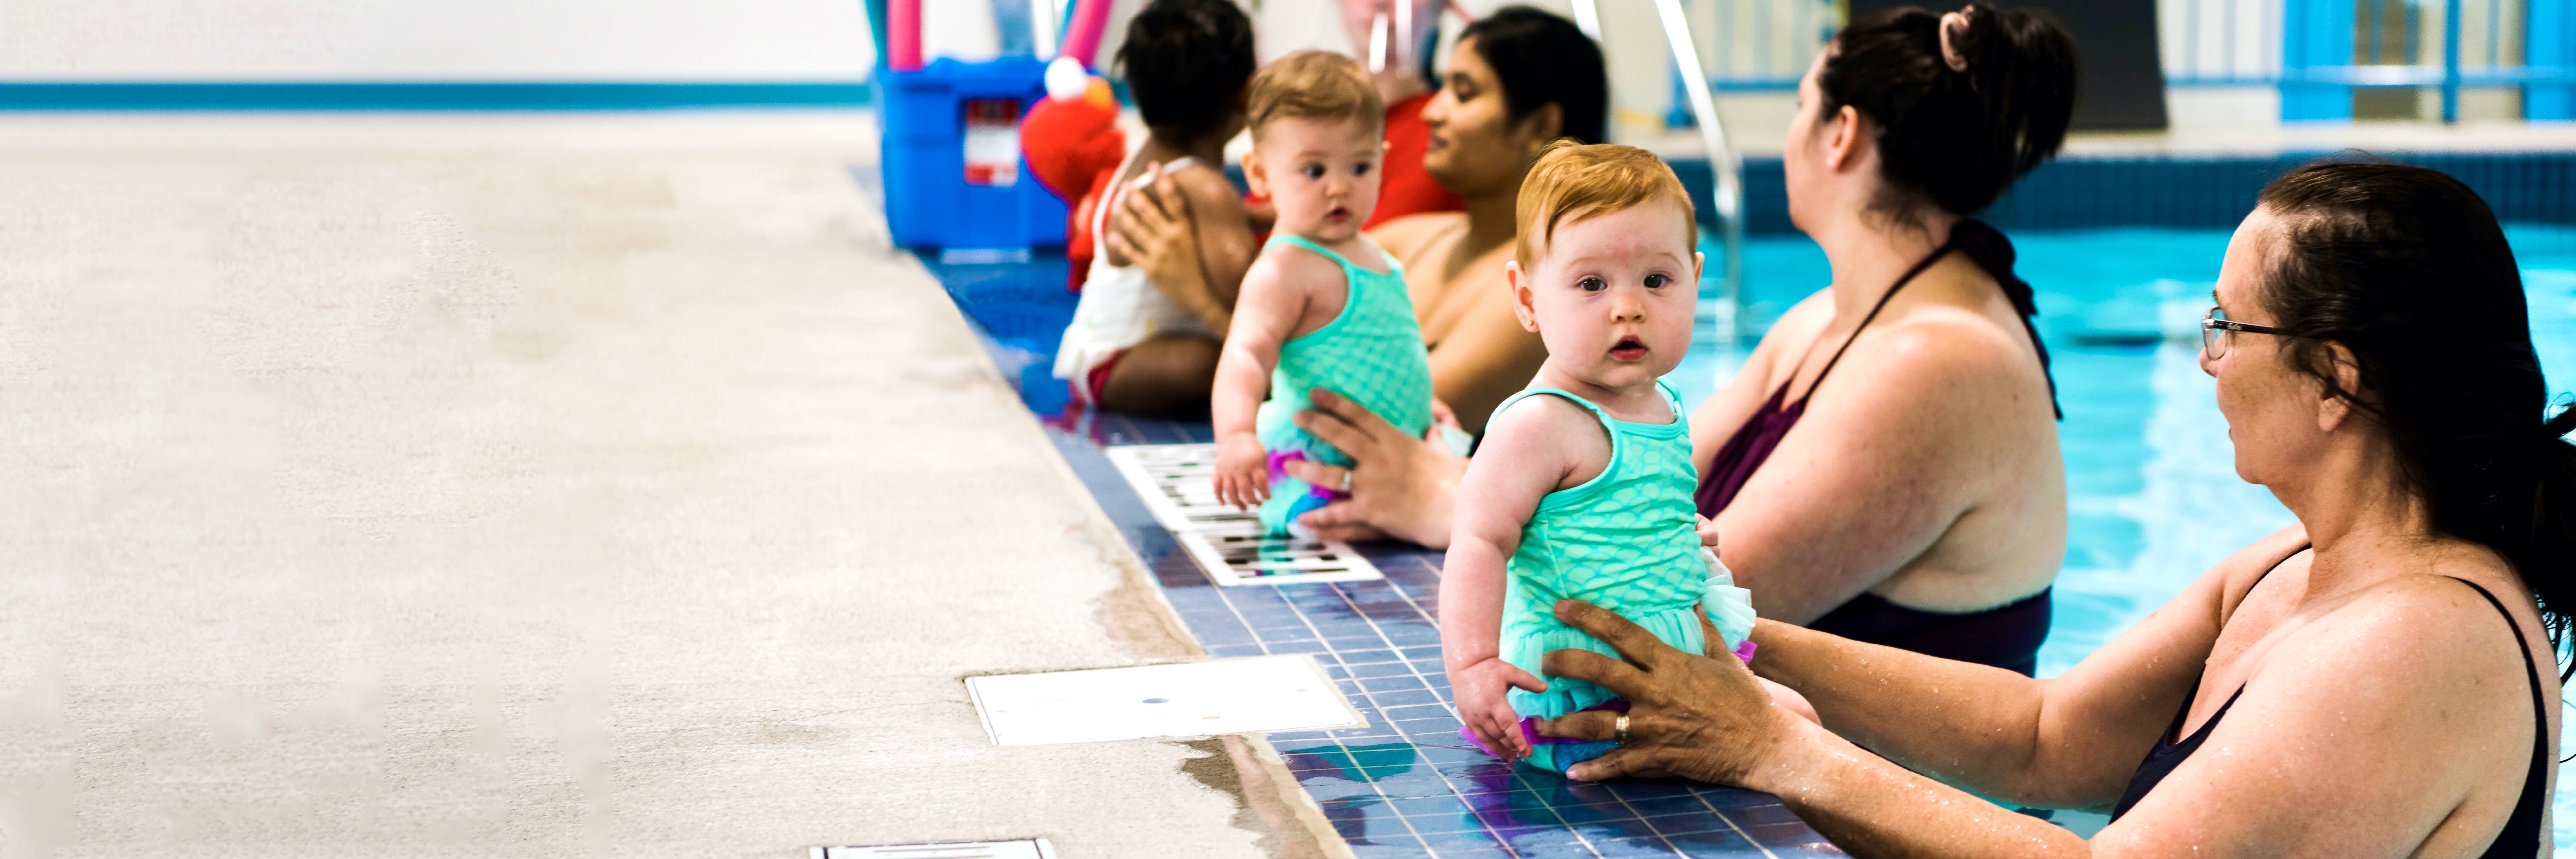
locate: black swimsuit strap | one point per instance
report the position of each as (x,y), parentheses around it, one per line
(1901,281)
(2527,811)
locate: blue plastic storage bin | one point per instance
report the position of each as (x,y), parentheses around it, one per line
(954,176)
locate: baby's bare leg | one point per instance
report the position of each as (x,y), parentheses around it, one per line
(1167,375)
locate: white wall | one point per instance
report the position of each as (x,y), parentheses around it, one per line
(340,40)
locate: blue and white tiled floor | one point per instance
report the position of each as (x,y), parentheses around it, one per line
(1407,784)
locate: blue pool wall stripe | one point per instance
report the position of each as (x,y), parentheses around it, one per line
(427,95)
(2178,192)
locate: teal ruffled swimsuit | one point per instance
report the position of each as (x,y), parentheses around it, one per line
(1371,353)
(1627,541)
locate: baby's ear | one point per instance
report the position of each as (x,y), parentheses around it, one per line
(1524,306)
(1254,179)
(1699,265)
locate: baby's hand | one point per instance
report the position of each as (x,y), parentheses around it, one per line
(1481,704)
(1242,471)
(1708,532)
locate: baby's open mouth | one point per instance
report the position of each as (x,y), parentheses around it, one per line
(1628,349)
(1338,215)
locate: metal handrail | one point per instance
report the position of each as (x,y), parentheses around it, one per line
(1723,162)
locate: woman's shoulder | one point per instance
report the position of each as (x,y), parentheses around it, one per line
(1406,237)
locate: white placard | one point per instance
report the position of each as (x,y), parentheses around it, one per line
(1176,482)
(1024,848)
(1185,699)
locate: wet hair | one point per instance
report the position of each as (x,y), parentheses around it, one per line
(1313,85)
(1542,59)
(1573,183)
(1954,139)
(2407,268)
(1186,61)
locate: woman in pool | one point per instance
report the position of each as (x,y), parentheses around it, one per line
(2363,683)
(1918,499)
(1518,78)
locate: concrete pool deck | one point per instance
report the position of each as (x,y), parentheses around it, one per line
(536,485)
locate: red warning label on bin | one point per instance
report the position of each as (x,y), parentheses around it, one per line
(993,142)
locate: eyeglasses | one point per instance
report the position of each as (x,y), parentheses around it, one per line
(2214,328)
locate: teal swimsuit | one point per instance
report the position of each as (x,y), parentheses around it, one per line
(1371,353)
(1627,541)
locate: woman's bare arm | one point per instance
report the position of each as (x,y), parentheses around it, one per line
(2336,748)
(2067,742)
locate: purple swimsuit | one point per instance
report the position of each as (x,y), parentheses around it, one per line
(2007,636)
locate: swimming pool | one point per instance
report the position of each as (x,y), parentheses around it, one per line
(2152,492)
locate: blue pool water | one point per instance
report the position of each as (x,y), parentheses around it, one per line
(2152,491)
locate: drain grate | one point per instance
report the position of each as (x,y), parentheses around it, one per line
(1026,848)
(1175,481)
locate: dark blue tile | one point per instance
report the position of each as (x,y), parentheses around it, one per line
(1381,669)
(1678,824)
(1465,842)
(1633,848)
(1713,843)
(1402,699)
(1684,804)
(1405,682)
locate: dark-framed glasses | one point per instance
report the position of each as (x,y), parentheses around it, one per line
(2215,328)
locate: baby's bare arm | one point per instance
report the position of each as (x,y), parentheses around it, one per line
(1271,306)
(1539,445)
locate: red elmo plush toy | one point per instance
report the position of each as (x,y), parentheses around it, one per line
(1072,142)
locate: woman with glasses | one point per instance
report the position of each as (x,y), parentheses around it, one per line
(2366,682)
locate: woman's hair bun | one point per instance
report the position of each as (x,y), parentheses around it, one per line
(1955,138)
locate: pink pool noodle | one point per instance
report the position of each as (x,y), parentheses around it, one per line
(1082,40)
(903,35)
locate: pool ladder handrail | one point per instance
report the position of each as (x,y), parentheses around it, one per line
(1723,163)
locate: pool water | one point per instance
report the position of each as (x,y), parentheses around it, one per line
(2152,492)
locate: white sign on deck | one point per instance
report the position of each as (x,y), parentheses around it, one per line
(1185,699)
(1177,483)
(1025,848)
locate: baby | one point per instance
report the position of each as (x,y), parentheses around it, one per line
(1137,345)
(1582,488)
(1323,306)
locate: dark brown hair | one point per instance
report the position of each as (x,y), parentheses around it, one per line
(1186,61)
(1542,60)
(2407,268)
(1954,139)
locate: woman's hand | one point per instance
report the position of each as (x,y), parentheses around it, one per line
(1485,708)
(1688,715)
(1399,486)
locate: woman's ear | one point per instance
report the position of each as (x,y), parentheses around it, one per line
(1544,124)
(1524,306)
(1254,177)
(2335,408)
(1843,140)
